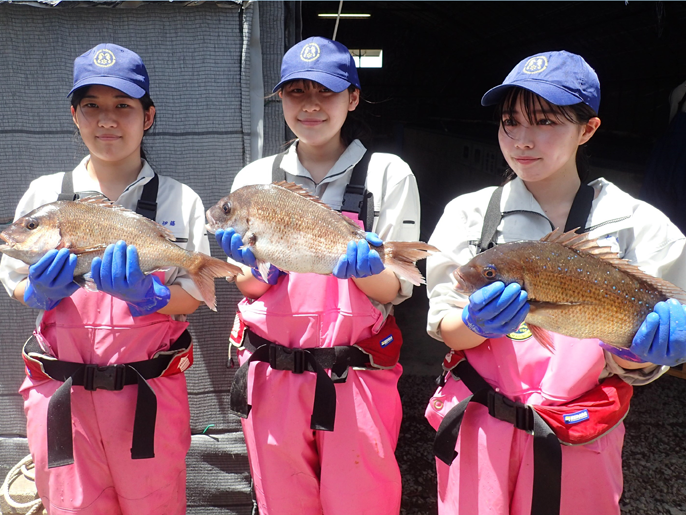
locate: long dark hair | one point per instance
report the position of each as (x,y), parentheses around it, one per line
(145,101)
(578,114)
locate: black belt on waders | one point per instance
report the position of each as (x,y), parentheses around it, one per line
(111,377)
(547,450)
(337,359)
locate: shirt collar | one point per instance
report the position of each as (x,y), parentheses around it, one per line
(84,182)
(349,158)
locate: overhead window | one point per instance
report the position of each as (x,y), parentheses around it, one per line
(367,58)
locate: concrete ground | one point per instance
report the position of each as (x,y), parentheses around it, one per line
(654,450)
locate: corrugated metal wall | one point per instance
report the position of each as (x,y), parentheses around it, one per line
(199,59)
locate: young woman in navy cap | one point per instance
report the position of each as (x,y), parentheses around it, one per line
(117,442)
(497,455)
(318,443)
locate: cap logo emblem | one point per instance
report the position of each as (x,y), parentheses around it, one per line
(536,64)
(104,59)
(310,52)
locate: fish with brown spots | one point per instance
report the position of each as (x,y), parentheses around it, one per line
(575,287)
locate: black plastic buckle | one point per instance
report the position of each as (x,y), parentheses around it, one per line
(283,358)
(507,410)
(353,198)
(147,209)
(104,378)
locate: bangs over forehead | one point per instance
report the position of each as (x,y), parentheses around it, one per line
(534,107)
(306,84)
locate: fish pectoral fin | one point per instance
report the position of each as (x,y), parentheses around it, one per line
(263,267)
(543,337)
(87,250)
(86,282)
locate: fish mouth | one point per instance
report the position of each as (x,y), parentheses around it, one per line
(211,224)
(461,283)
(4,237)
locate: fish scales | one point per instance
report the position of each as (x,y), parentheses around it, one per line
(283,224)
(286,226)
(574,286)
(87,226)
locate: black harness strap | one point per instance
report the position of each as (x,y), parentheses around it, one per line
(94,377)
(316,360)
(547,450)
(147,204)
(577,218)
(356,198)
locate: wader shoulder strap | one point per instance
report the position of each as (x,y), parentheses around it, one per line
(356,198)
(581,208)
(67,188)
(147,204)
(278,173)
(547,451)
(577,218)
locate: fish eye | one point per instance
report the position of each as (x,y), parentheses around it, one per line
(489,272)
(31,225)
(226,207)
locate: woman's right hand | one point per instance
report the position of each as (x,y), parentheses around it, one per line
(231,243)
(496,310)
(51,279)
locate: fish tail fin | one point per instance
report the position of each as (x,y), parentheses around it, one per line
(204,269)
(543,337)
(400,257)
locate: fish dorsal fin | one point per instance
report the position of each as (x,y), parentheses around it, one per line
(104,202)
(584,245)
(299,190)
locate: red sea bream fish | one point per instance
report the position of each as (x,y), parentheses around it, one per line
(290,228)
(87,226)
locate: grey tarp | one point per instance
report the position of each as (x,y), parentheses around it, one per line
(206,64)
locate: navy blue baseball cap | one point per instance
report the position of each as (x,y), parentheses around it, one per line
(111,65)
(562,78)
(321,60)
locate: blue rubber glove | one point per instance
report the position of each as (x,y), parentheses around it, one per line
(359,260)
(495,310)
(231,243)
(119,274)
(51,279)
(661,339)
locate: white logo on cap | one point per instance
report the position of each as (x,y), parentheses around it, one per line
(310,52)
(104,59)
(536,64)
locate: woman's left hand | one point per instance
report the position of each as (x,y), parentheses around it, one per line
(118,273)
(360,260)
(661,339)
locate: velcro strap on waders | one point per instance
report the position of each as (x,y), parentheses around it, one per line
(547,450)
(112,377)
(337,359)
